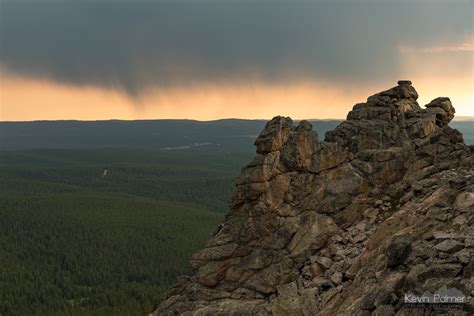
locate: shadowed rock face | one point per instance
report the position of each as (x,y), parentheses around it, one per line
(383,206)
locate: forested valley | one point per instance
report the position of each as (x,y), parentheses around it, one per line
(77,242)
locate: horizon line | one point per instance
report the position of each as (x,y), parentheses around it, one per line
(460,118)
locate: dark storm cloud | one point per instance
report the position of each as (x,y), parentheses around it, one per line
(139,44)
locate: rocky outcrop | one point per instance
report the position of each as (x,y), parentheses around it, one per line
(345,226)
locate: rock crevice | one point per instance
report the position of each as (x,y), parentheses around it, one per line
(382,206)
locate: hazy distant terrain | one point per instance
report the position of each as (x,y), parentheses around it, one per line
(221,135)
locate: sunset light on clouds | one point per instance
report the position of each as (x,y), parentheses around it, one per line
(49,100)
(240,62)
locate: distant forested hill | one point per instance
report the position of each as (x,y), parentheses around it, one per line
(466,128)
(221,135)
(228,135)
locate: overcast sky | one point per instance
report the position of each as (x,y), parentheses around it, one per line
(137,49)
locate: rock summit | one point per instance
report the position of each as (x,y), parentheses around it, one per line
(348,225)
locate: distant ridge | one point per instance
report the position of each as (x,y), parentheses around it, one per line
(223,135)
(230,134)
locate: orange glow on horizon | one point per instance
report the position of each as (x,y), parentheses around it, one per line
(29,99)
(25,99)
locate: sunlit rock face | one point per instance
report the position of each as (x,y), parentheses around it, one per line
(342,226)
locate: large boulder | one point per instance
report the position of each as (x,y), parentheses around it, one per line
(442,108)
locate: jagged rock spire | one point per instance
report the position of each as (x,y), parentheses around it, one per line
(313,225)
